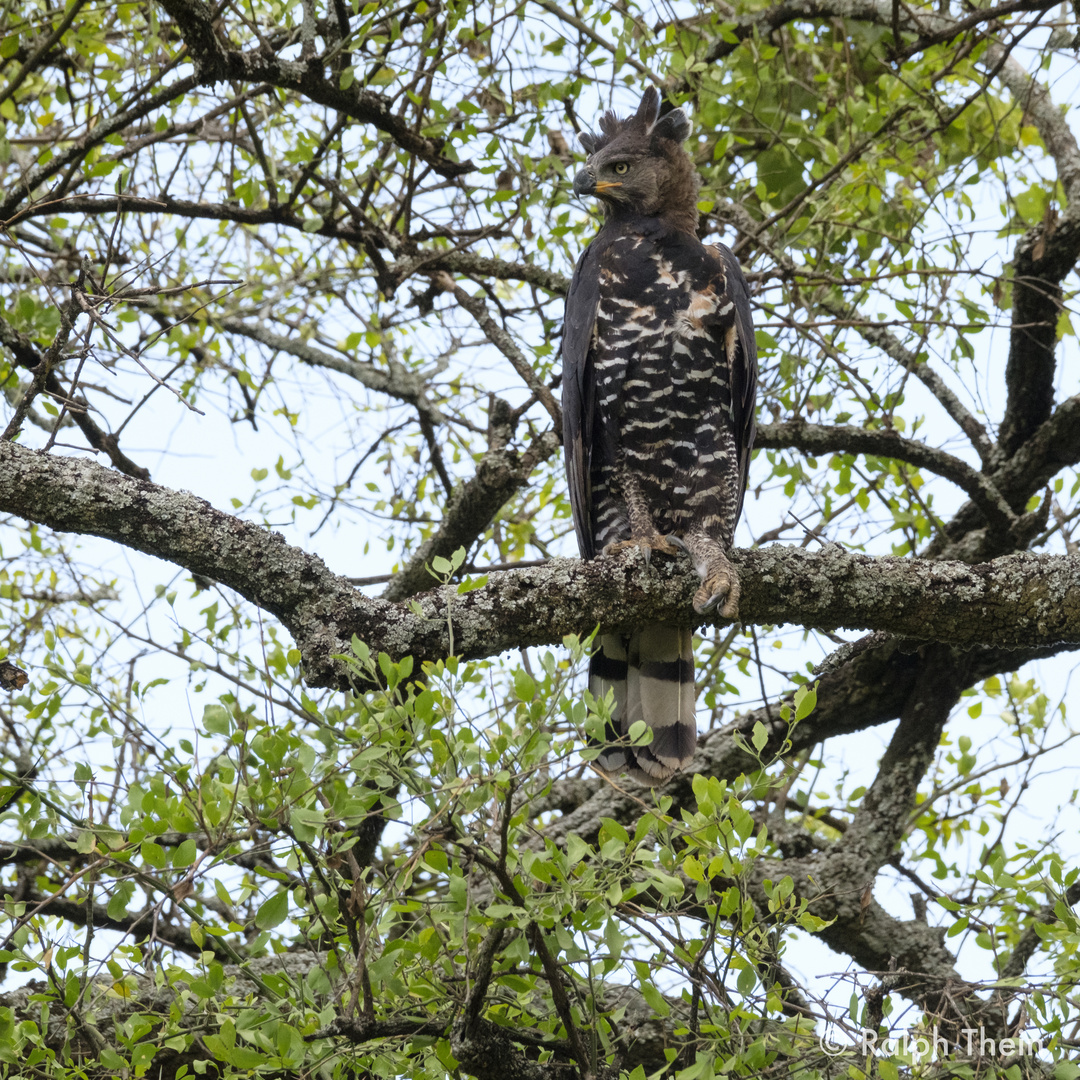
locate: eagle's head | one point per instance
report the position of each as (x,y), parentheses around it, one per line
(639,165)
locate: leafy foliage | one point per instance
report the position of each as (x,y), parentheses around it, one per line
(308,261)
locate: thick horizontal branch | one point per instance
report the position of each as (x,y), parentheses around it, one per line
(1016,601)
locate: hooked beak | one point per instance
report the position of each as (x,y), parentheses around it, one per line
(584,183)
(587,184)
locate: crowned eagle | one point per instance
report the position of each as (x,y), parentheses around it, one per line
(659,383)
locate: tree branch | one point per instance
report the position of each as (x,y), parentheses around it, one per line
(878,336)
(820,439)
(1053,446)
(345,228)
(216,61)
(80,147)
(499,475)
(27,354)
(1046,253)
(502,341)
(397,382)
(1020,600)
(930,27)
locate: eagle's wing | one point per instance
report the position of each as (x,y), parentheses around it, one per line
(743,366)
(579,328)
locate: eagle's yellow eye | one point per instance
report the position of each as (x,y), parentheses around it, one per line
(621,167)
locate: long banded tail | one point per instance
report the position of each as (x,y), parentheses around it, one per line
(652,676)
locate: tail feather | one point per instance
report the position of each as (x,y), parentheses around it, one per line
(652,675)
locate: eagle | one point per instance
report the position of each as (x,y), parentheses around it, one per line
(659,384)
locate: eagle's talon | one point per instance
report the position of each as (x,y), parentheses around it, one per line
(664,545)
(720,587)
(719,582)
(617,547)
(646,545)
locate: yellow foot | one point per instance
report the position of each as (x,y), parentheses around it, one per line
(646,544)
(720,587)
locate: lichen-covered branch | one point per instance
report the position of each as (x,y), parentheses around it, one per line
(1019,600)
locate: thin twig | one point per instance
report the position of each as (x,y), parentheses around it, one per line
(503,342)
(68,314)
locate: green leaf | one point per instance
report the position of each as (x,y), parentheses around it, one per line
(185,853)
(153,854)
(216,720)
(576,849)
(222,892)
(244,1057)
(273,912)
(654,999)
(805,701)
(470,584)
(524,685)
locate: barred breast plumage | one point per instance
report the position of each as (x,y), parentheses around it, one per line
(663,407)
